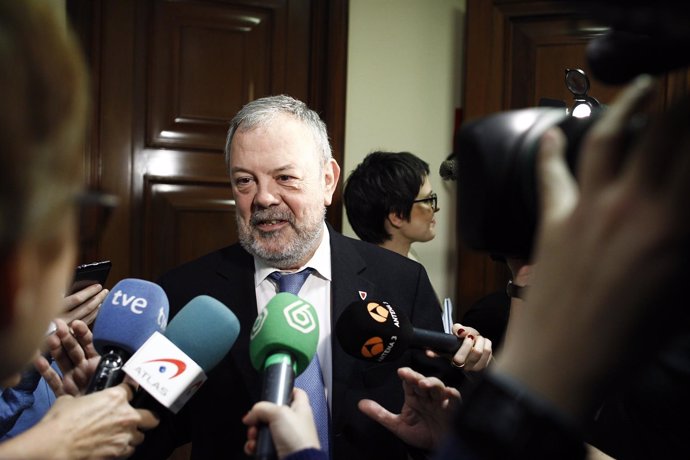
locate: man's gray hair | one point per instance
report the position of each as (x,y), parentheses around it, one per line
(263,111)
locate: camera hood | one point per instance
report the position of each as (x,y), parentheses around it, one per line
(497,193)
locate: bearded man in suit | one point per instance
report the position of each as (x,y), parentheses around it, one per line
(283,178)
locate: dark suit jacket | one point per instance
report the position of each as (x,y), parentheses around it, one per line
(211,420)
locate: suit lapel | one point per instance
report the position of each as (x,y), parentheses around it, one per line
(347,266)
(237,269)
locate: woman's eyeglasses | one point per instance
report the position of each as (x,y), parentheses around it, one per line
(432,200)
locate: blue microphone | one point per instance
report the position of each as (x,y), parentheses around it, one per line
(204,330)
(132,311)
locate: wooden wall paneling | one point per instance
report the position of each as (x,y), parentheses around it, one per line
(482,94)
(206,61)
(547,49)
(80,18)
(185,220)
(329,81)
(113,113)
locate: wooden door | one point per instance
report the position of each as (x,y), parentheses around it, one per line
(168,75)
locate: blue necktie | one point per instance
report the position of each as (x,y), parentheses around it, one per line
(310,380)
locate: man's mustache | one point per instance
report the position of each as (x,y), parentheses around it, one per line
(266,215)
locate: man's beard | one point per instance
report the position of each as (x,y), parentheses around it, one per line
(290,254)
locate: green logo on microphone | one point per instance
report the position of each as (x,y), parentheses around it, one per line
(258,323)
(301,316)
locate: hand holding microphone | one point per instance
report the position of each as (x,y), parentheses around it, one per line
(282,343)
(375,331)
(449,168)
(104,422)
(133,310)
(292,427)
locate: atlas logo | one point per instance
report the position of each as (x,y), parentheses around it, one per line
(168,368)
(300,316)
(381,313)
(178,366)
(374,348)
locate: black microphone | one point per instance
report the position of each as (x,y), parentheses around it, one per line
(449,168)
(132,311)
(375,331)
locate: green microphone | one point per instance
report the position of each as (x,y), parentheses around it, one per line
(282,343)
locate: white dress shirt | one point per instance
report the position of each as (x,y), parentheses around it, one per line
(316,290)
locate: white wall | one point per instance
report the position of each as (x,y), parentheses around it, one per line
(403,85)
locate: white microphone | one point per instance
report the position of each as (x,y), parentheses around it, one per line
(170,368)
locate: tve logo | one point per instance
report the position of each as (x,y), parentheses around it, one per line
(136,304)
(141,298)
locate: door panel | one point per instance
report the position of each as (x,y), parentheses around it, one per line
(207,61)
(187,219)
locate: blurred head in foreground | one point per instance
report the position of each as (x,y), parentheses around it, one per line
(43,108)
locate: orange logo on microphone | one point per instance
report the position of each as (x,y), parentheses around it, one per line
(378,312)
(372,347)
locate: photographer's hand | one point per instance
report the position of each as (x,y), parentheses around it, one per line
(606,253)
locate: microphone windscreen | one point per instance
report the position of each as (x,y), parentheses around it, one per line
(288,324)
(132,311)
(449,169)
(373,331)
(205,330)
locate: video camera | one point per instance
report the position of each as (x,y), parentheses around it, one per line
(497,196)
(493,158)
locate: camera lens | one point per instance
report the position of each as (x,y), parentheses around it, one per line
(497,194)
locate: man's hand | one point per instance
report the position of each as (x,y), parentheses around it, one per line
(423,420)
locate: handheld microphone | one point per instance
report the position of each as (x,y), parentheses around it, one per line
(282,343)
(132,311)
(375,331)
(170,368)
(449,168)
